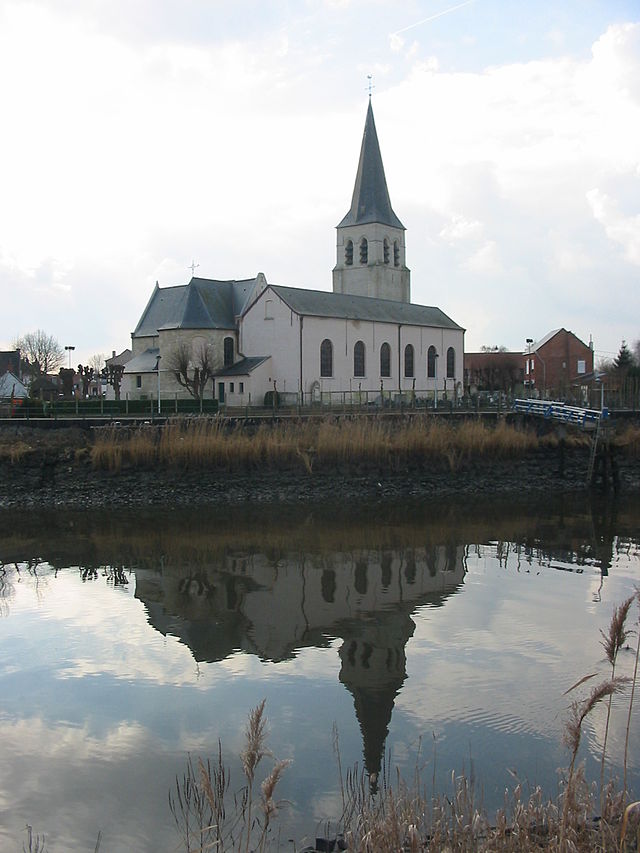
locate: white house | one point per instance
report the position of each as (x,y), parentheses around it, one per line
(364,338)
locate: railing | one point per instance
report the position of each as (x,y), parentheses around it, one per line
(558,411)
(98,407)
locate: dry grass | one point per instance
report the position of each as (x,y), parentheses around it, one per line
(309,445)
(629,441)
(381,817)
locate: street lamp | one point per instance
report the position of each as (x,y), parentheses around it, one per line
(69,350)
(435,393)
(158,372)
(529,342)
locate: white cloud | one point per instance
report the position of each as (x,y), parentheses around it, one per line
(485,261)
(129,158)
(623,230)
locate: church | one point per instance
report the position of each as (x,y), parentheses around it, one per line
(364,340)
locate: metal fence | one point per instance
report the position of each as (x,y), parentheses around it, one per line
(98,407)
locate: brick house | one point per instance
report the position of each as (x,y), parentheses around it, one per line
(554,365)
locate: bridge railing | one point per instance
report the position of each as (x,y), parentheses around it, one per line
(558,411)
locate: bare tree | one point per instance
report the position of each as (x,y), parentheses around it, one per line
(97,363)
(113,374)
(43,351)
(86,373)
(192,371)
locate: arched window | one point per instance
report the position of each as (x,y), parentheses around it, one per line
(326,358)
(364,251)
(431,362)
(385,360)
(348,253)
(358,359)
(408,360)
(396,253)
(385,250)
(451,363)
(228,352)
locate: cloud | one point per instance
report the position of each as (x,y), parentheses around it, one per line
(623,230)
(486,260)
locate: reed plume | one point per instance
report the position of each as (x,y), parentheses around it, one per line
(612,642)
(579,711)
(631,698)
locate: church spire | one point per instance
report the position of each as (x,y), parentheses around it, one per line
(370,248)
(370,202)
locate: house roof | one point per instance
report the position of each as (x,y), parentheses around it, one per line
(545,340)
(11,386)
(202,304)
(370,202)
(243,367)
(120,359)
(319,303)
(143,363)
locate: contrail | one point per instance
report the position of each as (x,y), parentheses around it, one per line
(433,17)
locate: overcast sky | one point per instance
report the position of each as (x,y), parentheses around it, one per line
(138,136)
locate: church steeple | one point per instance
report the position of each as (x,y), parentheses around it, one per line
(370,202)
(370,245)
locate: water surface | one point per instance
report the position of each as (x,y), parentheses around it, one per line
(443,635)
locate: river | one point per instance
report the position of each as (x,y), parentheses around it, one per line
(441,634)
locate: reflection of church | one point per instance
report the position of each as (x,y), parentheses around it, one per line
(273,605)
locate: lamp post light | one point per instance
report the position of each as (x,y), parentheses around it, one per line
(529,342)
(69,350)
(435,393)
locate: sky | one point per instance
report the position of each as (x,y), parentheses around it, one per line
(139,137)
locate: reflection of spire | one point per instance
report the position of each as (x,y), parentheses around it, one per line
(373,671)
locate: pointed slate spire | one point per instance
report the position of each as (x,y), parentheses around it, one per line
(370,202)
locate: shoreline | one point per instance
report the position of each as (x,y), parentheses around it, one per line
(63,476)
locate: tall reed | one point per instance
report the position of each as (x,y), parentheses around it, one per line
(308,444)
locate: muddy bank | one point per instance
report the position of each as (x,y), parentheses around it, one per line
(56,471)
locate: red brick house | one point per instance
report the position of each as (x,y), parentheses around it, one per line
(554,365)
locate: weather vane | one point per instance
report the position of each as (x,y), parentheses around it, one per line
(193,267)
(371,84)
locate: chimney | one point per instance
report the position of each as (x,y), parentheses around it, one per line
(113,353)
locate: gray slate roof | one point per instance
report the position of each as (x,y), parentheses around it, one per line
(319,303)
(243,367)
(202,304)
(143,363)
(370,202)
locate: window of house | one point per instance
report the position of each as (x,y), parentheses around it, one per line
(396,253)
(385,250)
(451,363)
(138,381)
(358,358)
(364,251)
(241,387)
(385,360)
(408,360)
(231,387)
(582,365)
(431,362)
(348,253)
(268,309)
(326,358)
(228,352)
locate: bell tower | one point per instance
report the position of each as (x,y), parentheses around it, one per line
(370,245)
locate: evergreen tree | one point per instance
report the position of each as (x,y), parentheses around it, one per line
(624,359)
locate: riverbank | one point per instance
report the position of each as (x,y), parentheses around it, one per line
(79,468)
